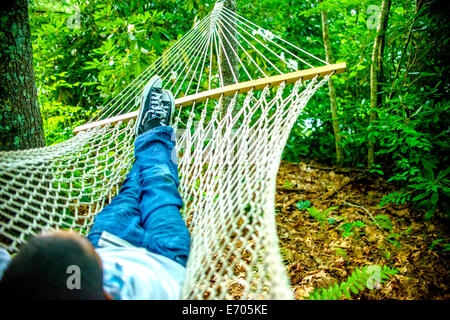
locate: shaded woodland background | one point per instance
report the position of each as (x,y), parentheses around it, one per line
(392,133)
(87,51)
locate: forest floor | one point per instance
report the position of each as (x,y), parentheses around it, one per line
(356,233)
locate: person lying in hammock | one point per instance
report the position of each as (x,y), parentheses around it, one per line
(138,245)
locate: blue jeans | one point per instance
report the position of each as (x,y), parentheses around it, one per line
(146,212)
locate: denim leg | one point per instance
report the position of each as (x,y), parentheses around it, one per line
(160,202)
(121,217)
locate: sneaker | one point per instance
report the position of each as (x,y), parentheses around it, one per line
(168,103)
(151,110)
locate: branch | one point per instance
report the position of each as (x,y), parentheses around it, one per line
(331,193)
(361,207)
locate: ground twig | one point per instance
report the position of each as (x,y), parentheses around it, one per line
(363,208)
(331,193)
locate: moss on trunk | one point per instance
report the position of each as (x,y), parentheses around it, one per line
(20,119)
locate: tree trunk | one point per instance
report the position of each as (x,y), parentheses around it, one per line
(20,118)
(375,75)
(228,59)
(332,91)
(380,61)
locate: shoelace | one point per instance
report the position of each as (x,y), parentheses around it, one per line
(158,111)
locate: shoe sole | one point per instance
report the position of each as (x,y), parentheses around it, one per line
(145,92)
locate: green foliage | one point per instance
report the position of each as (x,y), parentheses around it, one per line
(412,122)
(440,244)
(412,129)
(384,222)
(321,216)
(288,184)
(352,228)
(417,153)
(368,277)
(286,255)
(392,238)
(303,204)
(341,252)
(395,197)
(79,68)
(376,168)
(59,120)
(428,188)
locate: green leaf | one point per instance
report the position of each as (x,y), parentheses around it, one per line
(428,170)
(434,198)
(303,204)
(359,224)
(17,141)
(429,214)
(421,196)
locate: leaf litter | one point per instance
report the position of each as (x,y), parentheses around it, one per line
(324,248)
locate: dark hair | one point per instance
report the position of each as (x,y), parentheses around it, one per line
(40,271)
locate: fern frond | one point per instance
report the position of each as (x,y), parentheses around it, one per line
(359,280)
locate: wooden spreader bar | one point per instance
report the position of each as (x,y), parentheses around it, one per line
(231,90)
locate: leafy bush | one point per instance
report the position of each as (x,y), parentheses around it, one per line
(417,152)
(428,188)
(79,66)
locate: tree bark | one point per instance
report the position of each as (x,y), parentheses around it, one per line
(332,91)
(228,59)
(375,75)
(21,124)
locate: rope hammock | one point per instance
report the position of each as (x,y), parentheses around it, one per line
(238,93)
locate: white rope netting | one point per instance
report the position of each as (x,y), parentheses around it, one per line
(229,153)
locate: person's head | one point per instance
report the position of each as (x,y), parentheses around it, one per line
(55,265)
